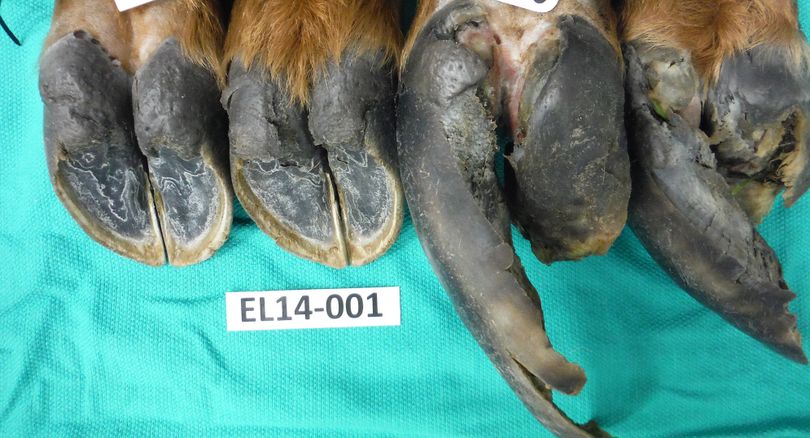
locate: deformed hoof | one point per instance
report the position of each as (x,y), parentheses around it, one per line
(556,82)
(682,207)
(571,173)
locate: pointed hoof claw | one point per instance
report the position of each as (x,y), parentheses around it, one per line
(569,182)
(682,207)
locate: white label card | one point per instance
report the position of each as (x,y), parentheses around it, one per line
(123,5)
(317,308)
(533,5)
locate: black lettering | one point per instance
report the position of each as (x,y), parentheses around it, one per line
(283,302)
(374,312)
(358,307)
(330,311)
(246,309)
(262,313)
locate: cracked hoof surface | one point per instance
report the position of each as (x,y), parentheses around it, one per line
(321,177)
(140,167)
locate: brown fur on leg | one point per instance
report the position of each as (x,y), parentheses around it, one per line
(131,36)
(203,35)
(197,24)
(294,39)
(100,18)
(424,11)
(713,30)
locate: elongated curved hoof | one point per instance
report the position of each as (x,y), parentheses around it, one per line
(452,95)
(320,179)
(682,208)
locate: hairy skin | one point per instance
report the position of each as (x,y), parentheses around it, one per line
(135,138)
(719,101)
(712,31)
(310,33)
(132,36)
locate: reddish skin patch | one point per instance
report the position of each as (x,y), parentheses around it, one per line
(506,78)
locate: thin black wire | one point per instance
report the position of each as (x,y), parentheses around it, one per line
(8,32)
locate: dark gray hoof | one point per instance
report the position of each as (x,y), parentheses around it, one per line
(570,176)
(351,115)
(447,148)
(689,220)
(321,180)
(176,201)
(757,118)
(181,130)
(95,166)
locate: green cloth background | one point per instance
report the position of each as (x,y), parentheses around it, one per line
(93,344)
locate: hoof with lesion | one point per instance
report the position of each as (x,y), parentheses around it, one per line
(135,137)
(717,130)
(312,137)
(554,82)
